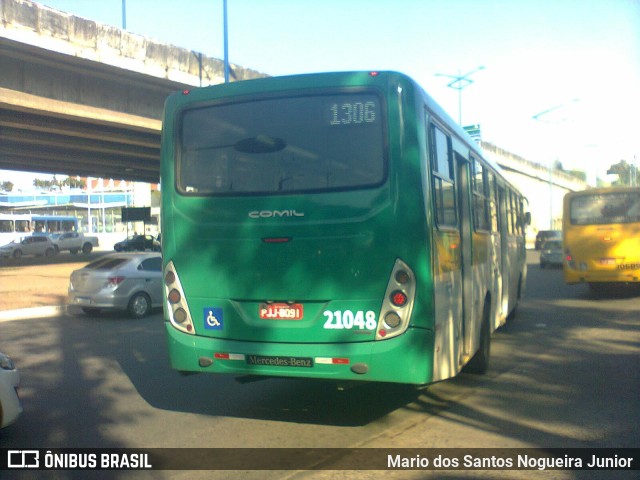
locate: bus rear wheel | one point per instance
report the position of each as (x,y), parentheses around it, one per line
(479,364)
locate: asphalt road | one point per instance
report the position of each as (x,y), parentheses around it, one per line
(564,374)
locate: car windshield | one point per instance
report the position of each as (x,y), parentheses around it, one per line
(553,244)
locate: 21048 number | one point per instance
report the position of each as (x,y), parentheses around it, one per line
(347,320)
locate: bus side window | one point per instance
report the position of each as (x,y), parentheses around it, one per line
(512,213)
(443,179)
(480,200)
(493,202)
(519,216)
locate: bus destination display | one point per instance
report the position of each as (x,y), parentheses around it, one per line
(361,110)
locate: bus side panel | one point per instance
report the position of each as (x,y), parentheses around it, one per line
(515,247)
(483,282)
(448,304)
(496,279)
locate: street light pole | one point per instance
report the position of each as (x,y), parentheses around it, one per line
(226,41)
(537,117)
(124,14)
(458,83)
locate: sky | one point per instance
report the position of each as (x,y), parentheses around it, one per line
(572,64)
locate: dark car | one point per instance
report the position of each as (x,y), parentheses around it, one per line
(551,254)
(138,243)
(544,235)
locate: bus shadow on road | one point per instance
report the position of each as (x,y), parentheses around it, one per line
(275,399)
(305,401)
(139,347)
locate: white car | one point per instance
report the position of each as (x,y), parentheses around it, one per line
(32,245)
(74,242)
(10,407)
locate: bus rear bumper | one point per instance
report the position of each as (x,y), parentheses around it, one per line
(407,358)
(596,277)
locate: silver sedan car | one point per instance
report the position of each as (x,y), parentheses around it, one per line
(122,281)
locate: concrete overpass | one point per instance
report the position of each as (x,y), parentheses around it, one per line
(81,98)
(544,188)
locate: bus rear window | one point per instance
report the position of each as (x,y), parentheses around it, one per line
(605,209)
(283,145)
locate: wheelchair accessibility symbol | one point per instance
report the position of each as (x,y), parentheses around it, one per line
(213,318)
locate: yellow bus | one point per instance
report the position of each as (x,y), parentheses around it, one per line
(601,236)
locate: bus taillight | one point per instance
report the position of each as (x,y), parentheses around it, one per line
(177,308)
(174,296)
(398,302)
(402,277)
(392,320)
(399,299)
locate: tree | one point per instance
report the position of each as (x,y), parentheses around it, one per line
(627,174)
(45,184)
(579,174)
(74,182)
(6,186)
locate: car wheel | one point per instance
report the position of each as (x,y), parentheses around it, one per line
(50,252)
(17,254)
(87,248)
(139,305)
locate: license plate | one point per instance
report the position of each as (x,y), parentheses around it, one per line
(281,311)
(304,362)
(629,266)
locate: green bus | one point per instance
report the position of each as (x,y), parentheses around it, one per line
(333,226)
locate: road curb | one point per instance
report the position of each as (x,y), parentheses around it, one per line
(34,312)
